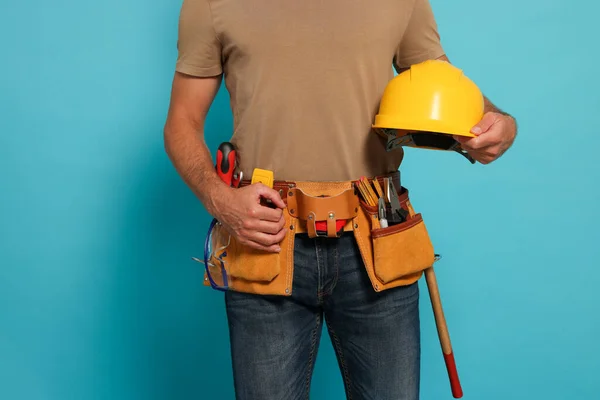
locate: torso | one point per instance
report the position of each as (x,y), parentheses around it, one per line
(305,79)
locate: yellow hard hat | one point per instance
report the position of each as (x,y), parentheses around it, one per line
(427,104)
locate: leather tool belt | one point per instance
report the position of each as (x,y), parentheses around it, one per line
(393,256)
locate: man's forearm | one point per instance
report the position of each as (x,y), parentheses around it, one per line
(488,106)
(187,150)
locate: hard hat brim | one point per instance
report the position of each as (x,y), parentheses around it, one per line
(436,126)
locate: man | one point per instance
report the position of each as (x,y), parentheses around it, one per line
(305,80)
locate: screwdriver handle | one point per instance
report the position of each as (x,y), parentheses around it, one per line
(226,159)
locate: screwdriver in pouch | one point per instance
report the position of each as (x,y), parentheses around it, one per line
(382,219)
(227,167)
(226,162)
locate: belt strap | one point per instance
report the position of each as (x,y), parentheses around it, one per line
(322,188)
(323,208)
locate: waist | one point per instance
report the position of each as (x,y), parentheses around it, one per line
(324,188)
(313,204)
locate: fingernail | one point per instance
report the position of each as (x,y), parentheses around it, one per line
(476,130)
(278,249)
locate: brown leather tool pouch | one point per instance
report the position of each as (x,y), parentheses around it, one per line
(329,208)
(396,255)
(259,272)
(251,268)
(393,256)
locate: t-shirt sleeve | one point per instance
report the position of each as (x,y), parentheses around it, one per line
(199,49)
(421,39)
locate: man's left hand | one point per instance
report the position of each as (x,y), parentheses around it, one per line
(494,134)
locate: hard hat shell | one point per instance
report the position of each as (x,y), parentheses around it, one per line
(432,96)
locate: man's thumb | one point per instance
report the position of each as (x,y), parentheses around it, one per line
(270,194)
(484,125)
(461,139)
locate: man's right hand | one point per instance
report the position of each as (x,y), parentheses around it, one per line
(239,210)
(241,213)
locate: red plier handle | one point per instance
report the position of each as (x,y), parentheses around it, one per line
(227,167)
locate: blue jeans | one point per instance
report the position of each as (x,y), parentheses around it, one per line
(376,336)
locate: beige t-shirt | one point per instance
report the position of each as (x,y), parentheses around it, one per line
(305,77)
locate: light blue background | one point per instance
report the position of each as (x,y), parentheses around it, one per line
(99,298)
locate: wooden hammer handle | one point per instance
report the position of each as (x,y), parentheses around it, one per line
(444,336)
